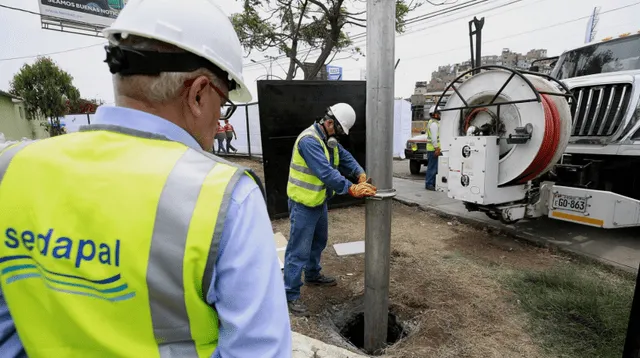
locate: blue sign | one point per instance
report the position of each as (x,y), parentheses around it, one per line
(334,73)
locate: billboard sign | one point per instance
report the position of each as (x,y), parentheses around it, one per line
(334,73)
(96,13)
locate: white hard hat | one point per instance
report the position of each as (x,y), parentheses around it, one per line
(432,110)
(196,26)
(345,115)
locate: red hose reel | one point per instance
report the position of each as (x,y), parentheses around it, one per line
(550,142)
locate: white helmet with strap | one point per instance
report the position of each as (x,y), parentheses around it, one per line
(199,27)
(344,114)
(433,111)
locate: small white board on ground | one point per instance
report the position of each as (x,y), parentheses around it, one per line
(479,90)
(349,248)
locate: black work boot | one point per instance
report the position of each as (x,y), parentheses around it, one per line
(298,308)
(321,280)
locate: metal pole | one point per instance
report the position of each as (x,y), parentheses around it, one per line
(271,68)
(479,25)
(475,28)
(88,119)
(473,53)
(381,22)
(246,112)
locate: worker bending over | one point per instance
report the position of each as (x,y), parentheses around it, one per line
(433,148)
(315,174)
(164,250)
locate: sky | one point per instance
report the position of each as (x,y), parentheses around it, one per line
(519,25)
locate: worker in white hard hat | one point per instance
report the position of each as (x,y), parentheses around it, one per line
(433,148)
(317,171)
(166,250)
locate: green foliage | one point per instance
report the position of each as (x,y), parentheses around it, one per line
(45,88)
(290,25)
(576,311)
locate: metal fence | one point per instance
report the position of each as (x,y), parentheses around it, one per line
(246,122)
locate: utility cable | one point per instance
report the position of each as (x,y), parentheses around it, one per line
(52,53)
(415,20)
(525,32)
(49,53)
(362,41)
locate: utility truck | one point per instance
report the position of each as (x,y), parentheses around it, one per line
(522,145)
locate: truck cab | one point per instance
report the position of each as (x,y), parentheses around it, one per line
(604,147)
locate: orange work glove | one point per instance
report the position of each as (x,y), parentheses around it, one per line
(362,190)
(362,178)
(438,152)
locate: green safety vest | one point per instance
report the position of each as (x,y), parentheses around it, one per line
(430,147)
(304,187)
(110,238)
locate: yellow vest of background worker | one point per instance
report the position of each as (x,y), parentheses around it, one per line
(430,147)
(109,244)
(303,186)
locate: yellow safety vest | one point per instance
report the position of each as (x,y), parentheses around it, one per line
(109,240)
(304,186)
(430,147)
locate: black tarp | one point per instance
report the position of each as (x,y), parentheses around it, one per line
(289,107)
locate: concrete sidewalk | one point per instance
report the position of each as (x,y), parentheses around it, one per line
(619,247)
(305,347)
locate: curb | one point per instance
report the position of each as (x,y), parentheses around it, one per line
(536,241)
(307,347)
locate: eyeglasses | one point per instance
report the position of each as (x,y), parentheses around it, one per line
(227,108)
(336,125)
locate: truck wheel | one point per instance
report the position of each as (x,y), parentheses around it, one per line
(414,167)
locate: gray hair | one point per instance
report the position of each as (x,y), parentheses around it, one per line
(155,89)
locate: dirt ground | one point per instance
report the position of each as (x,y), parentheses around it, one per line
(444,285)
(254,165)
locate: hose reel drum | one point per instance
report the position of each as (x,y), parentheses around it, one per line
(528,113)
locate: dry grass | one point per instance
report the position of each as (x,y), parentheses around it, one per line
(578,310)
(456,307)
(465,292)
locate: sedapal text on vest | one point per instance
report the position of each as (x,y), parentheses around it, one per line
(64,247)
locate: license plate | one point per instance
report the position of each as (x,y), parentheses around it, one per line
(571,203)
(425,156)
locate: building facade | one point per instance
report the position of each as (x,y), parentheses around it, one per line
(14,124)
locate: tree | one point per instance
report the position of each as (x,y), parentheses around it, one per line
(286,25)
(45,88)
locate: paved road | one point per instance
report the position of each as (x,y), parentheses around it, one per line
(620,247)
(401,170)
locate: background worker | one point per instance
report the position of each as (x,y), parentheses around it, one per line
(166,251)
(220,137)
(230,133)
(433,148)
(317,171)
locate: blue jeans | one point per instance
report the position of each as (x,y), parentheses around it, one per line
(432,170)
(307,239)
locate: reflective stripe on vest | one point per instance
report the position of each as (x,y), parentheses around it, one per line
(118,265)
(430,146)
(304,186)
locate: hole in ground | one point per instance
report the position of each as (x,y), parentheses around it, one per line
(353,331)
